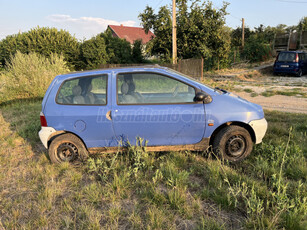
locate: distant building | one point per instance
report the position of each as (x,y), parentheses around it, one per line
(131,34)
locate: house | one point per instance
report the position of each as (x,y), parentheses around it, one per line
(131,34)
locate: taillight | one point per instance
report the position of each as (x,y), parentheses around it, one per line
(43,120)
(296,58)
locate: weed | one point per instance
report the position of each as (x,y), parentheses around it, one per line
(139,189)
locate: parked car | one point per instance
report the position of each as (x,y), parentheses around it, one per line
(103,110)
(291,62)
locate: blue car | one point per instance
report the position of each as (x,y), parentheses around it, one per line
(104,110)
(291,62)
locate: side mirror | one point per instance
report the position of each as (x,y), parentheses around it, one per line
(200,96)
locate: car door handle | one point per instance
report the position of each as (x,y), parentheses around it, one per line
(109,115)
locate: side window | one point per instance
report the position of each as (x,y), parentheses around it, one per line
(151,88)
(84,91)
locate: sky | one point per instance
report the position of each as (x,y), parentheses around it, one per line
(86,18)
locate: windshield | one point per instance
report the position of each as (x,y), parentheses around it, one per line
(191,78)
(287,57)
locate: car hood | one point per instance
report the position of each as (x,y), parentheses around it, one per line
(231,107)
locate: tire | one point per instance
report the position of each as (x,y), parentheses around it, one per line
(299,73)
(67,148)
(233,143)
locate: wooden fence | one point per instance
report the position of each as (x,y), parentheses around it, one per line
(191,67)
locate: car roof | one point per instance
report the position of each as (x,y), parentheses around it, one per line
(293,51)
(109,70)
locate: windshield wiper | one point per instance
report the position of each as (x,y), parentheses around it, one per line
(219,89)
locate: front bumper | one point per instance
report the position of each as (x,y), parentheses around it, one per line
(260,127)
(44,135)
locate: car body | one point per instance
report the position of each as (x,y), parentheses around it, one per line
(291,62)
(103,110)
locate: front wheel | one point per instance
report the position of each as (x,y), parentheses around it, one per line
(67,148)
(233,143)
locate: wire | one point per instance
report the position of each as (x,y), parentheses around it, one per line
(158,5)
(240,19)
(304,2)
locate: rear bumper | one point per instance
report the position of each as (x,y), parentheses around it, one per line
(290,70)
(260,127)
(44,135)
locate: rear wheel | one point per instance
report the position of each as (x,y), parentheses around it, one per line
(67,148)
(299,73)
(233,143)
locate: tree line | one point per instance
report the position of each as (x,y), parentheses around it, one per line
(88,54)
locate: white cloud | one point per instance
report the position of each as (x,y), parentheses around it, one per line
(84,27)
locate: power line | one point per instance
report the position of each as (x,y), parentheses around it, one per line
(240,19)
(158,5)
(304,2)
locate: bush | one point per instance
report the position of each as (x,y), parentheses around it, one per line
(119,50)
(44,41)
(93,52)
(29,75)
(256,50)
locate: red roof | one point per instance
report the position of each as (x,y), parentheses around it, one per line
(131,33)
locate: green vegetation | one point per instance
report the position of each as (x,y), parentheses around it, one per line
(87,54)
(297,92)
(45,41)
(29,75)
(139,189)
(201,32)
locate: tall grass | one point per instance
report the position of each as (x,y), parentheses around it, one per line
(144,190)
(29,75)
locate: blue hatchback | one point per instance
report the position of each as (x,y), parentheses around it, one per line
(291,62)
(103,110)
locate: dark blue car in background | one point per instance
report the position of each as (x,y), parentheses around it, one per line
(291,62)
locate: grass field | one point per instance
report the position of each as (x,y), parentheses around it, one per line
(141,190)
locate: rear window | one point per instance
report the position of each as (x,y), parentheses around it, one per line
(84,91)
(287,57)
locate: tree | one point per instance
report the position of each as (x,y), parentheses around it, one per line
(118,50)
(161,23)
(137,53)
(236,35)
(44,41)
(303,24)
(201,30)
(93,52)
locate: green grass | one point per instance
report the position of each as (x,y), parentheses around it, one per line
(143,190)
(293,92)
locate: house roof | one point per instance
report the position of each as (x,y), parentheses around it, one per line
(132,33)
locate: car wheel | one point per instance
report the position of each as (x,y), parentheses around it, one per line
(67,148)
(233,143)
(299,73)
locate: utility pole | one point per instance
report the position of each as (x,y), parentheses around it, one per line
(242,33)
(174,34)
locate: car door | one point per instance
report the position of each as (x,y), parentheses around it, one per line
(156,107)
(81,107)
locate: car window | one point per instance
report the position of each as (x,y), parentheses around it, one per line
(286,57)
(84,91)
(152,88)
(301,57)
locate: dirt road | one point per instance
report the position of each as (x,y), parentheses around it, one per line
(282,93)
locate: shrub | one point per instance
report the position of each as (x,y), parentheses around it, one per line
(119,50)
(29,75)
(137,53)
(256,50)
(44,41)
(93,52)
